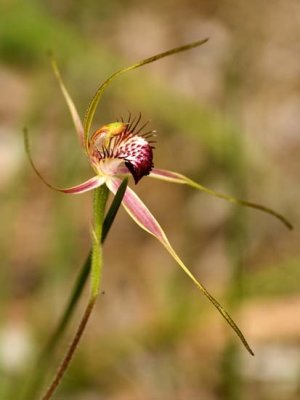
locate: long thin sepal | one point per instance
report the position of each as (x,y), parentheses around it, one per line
(143,217)
(73,111)
(95,100)
(174,177)
(90,184)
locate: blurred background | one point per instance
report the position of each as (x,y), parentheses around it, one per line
(227,115)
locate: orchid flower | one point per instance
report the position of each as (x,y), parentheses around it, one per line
(124,148)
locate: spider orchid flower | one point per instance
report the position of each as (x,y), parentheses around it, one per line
(122,148)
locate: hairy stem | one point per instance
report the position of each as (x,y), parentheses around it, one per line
(100,199)
(84,273)
(43,362)
(71,350)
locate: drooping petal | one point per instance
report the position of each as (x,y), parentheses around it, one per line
(89,115)
(143,217)
(90,184)
(175,177)
(86,186)
(73,111)
(138,211)
(83,187)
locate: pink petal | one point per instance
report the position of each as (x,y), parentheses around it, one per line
(143,217)
(90,184)
(138,211)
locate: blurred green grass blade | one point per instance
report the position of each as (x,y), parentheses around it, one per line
(75,295)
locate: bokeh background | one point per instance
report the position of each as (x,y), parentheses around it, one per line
(227,115)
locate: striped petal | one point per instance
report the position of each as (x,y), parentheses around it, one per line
(73,111)
(86,186)
(143,217)
(83,187)
(175,177)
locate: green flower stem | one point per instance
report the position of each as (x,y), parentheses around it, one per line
(70,352)
(100,200)
(83,274)
(44,360)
